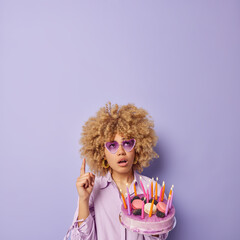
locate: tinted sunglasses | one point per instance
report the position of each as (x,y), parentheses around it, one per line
(127,145)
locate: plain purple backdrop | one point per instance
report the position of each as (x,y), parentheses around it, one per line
(63,60)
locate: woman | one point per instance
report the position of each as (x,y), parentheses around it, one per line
(117,144)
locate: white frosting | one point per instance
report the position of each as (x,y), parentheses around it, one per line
(147,207)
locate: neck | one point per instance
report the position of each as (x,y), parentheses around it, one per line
(123,178)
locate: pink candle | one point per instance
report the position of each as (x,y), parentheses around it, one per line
(150,187)
(128,206)
(142,215)
(160,195)
(142,187)
(166,211)
(147,196)
(129,199)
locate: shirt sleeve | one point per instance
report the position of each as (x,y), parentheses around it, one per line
(87,230)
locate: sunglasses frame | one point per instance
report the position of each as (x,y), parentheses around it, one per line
(122,145)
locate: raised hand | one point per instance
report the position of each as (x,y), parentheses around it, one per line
(85,183)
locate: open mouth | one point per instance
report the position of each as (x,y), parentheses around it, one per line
(123,163)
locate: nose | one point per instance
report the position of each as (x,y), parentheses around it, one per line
(120,150)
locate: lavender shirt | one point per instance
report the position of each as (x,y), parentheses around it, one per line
(105,205)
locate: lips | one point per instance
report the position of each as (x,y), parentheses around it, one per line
(123,162)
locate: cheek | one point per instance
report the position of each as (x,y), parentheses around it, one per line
(131,155)
(109,156)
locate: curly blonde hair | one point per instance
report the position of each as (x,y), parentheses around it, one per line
(128,121)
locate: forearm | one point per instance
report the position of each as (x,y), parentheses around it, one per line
(83,210)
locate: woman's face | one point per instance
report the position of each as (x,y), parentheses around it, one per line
(121,161)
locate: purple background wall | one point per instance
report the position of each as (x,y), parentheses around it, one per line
(62,60)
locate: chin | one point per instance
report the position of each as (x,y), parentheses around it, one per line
(123,169)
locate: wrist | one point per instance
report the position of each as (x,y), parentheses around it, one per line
(83,210)
(83,200)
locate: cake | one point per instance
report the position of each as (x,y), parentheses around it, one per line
(158,223)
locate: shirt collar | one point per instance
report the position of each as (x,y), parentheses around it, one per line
(105,180)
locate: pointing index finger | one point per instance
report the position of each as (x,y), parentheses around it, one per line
(83,167)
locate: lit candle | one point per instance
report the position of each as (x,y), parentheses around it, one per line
(156,188)
(152,188)
(163,191)
(151,208)
(170,205)
(147,196)
(160,196)
(123,198)
(129,204)
(142,187)
(166,210)
(129,199)
(169,195)
(142,215)
(134,186)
